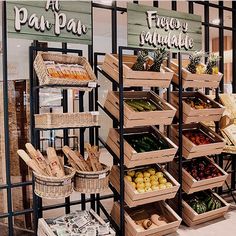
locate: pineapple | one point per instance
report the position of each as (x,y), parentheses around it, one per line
(139,65)
(159,56)
(195,60)
(211,67)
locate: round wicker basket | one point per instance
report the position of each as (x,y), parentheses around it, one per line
(52,187)
(92,182)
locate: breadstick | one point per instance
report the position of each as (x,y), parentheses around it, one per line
(54,163)
(38,157)
(94,157)
(30,162)
(48,169)
(78,160)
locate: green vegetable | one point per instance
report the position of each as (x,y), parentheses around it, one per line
(145,142)
(141,104)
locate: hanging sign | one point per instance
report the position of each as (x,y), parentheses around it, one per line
(50,20)
(155,27)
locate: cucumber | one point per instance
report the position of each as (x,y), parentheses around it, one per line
(134,105)
(144,104)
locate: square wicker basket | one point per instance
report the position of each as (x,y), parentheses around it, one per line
(46,79)
(64,120)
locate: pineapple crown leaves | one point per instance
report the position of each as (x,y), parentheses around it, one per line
(213,58)
(160,55)
(196,57)
(142,56)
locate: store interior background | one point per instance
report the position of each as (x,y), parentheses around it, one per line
(18,75)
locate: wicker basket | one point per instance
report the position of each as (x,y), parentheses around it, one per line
(64,120)
(53,187)
(45,79)
(92,182)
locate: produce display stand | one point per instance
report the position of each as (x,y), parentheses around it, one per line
(120,75)
(187,118)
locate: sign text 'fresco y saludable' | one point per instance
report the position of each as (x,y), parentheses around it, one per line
(170,25)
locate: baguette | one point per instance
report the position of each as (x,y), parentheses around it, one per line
(30,162)
(38,157)
(77,159)
(54,163)
(48,169)
(93,157)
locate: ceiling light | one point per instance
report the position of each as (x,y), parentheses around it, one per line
(216,21)
(18,45)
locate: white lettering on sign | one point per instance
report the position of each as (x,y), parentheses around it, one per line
(39,23)
(154,38)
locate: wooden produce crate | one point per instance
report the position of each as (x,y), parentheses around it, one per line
(133,198)
(131,157)
(192,218)
(45,78)
(136,78)
(197,115)
(191,185)
(190,150)
(163,115)
(64,120)
(160,208)
(194,80)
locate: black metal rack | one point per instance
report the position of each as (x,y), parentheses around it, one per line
(207,6)
(120,123)
(35,132)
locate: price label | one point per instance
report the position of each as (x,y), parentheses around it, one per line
(92,84)
(102,176)
(94,113)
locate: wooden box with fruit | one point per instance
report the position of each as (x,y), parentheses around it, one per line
(200,174)
(196,74)
(198,140)
(141,108)
(203,206)
(140,70)
(145,184)
(197,107)
(152,219)
(142,146)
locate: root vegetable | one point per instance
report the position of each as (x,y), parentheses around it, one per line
(146,223)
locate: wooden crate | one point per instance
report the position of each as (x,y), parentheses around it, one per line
(135,118)
(197,115)
(191,185)
(194,80)
(192,218)
(136,78)
(157,208)
(190,150)
(133,158)
(133,198)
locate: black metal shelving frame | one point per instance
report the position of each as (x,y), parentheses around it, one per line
(35,132)
(120,123)
(9,186)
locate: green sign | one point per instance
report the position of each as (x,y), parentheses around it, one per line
(50,20)
(155,27)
